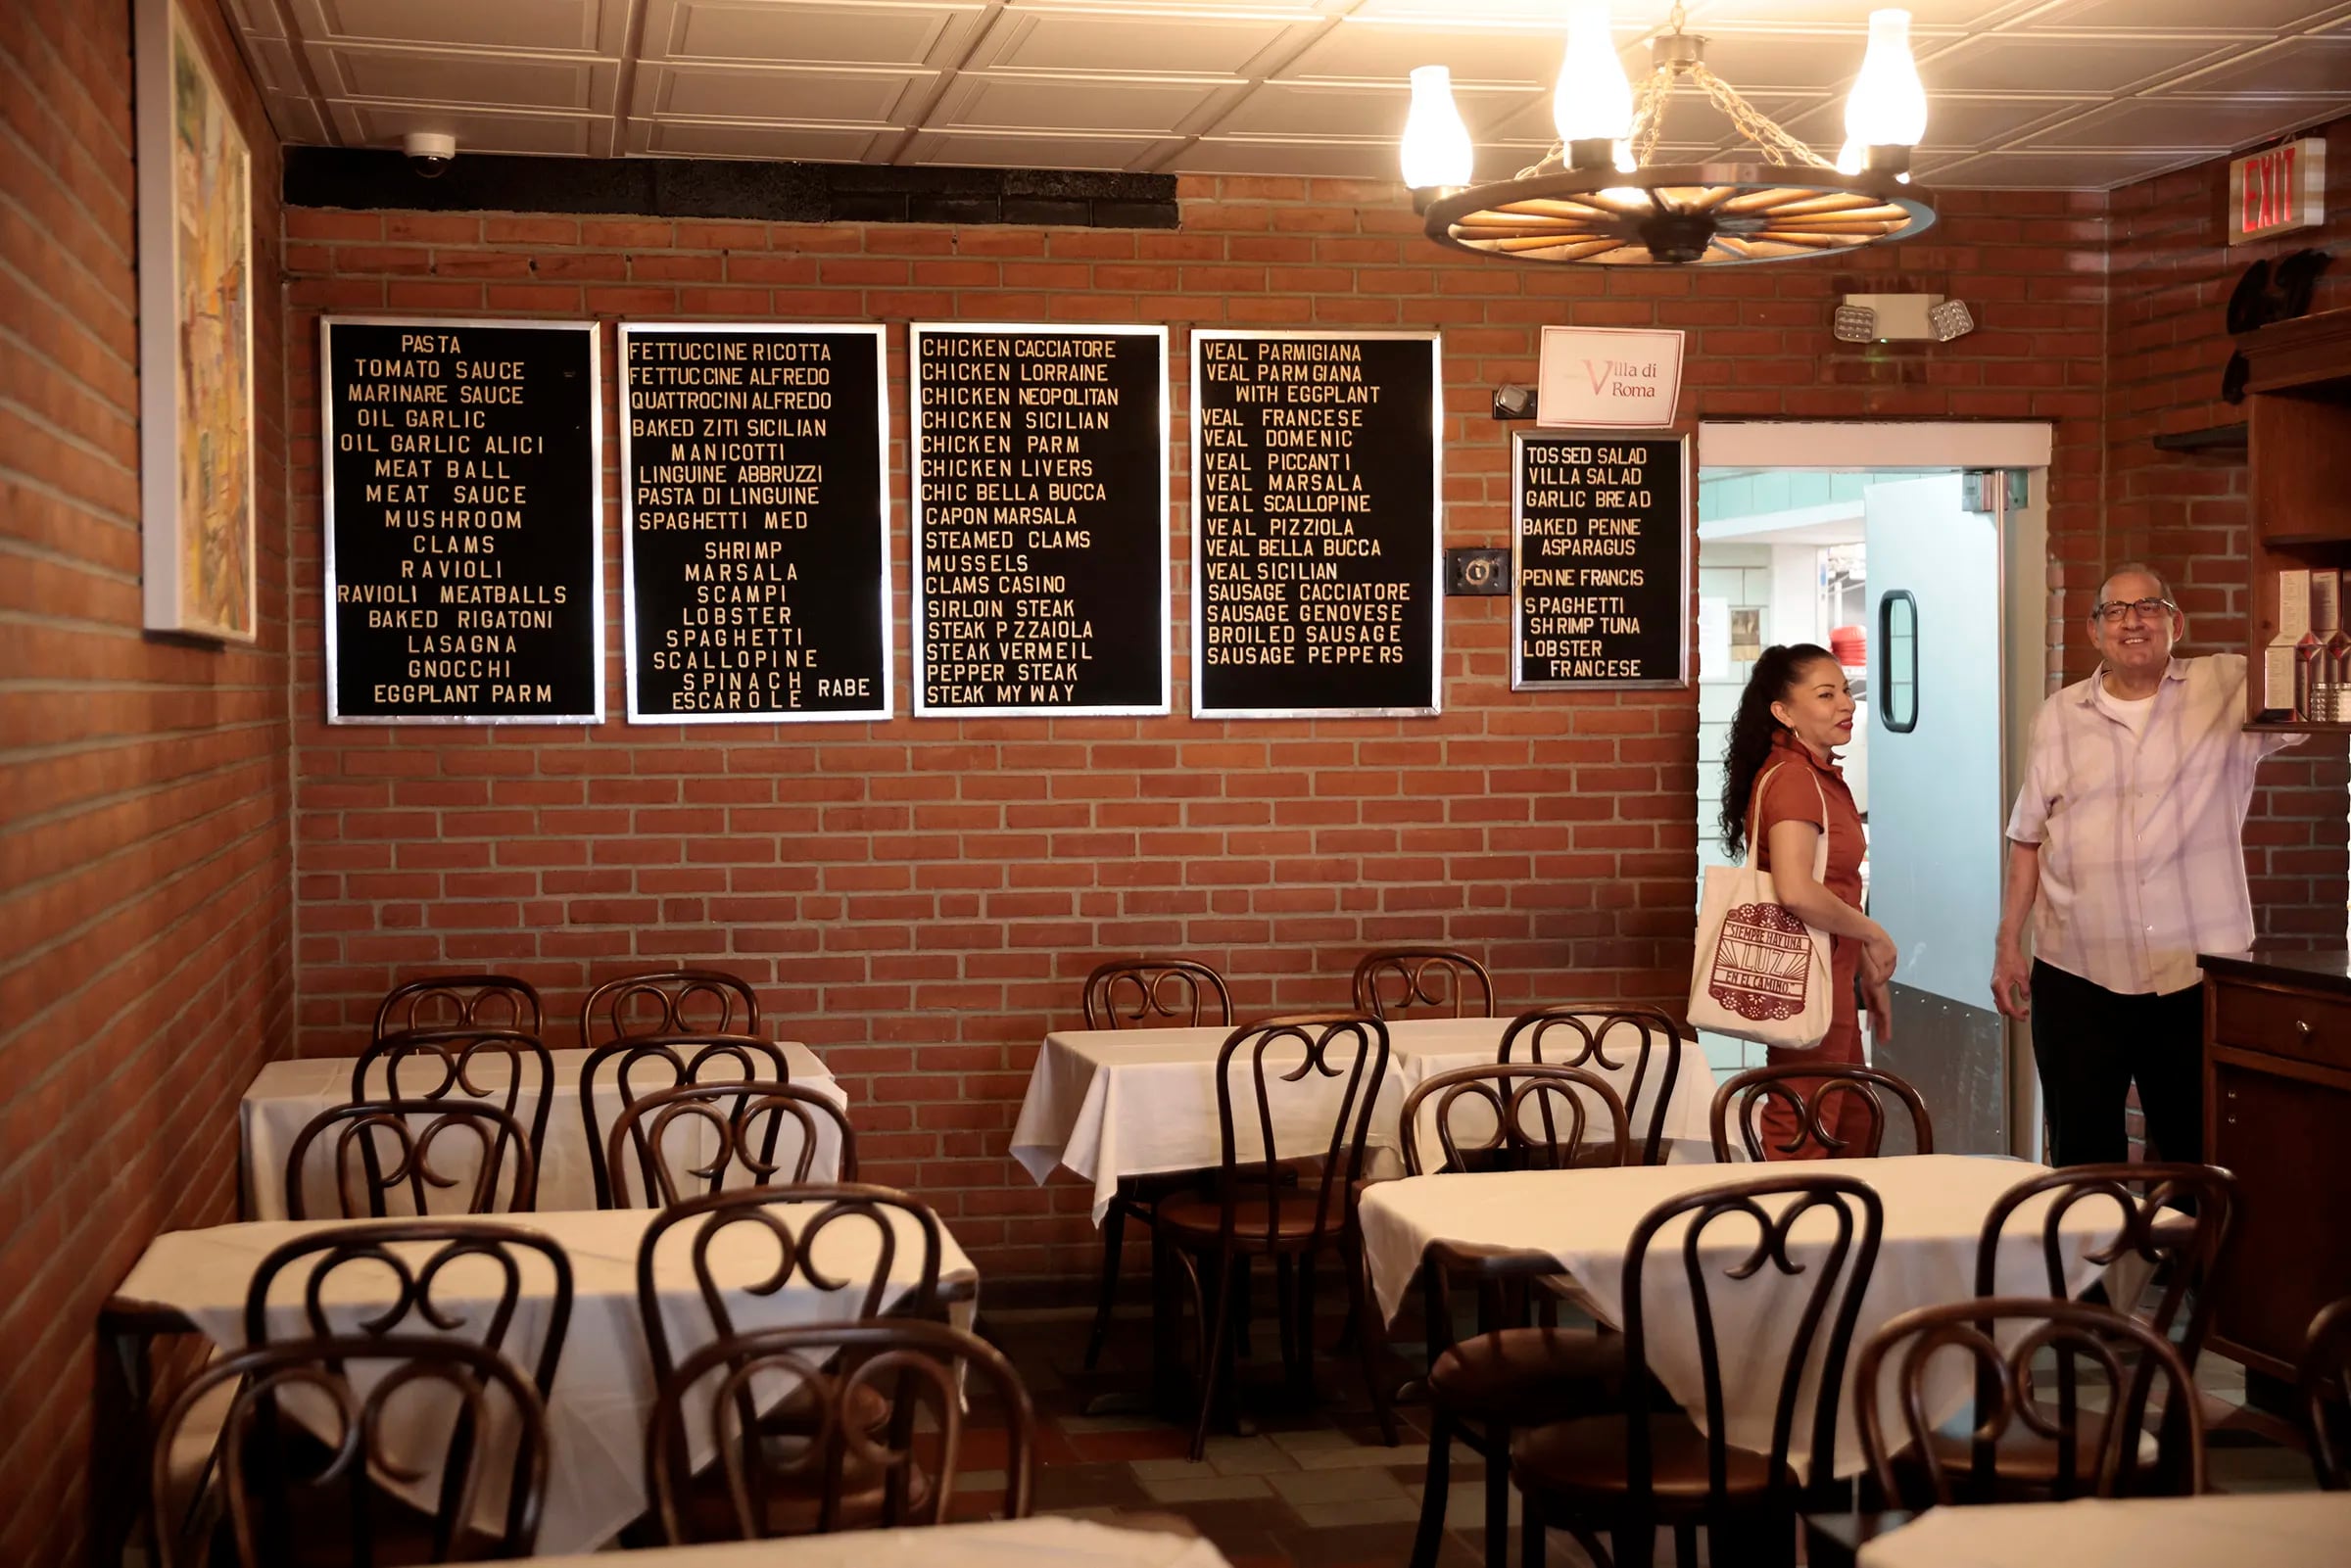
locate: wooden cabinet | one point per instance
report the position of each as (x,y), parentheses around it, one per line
(2298,422)
(2277,1114)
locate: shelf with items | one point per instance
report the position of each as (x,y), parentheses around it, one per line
(2298,423)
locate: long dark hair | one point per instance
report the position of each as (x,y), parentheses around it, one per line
(1753,730)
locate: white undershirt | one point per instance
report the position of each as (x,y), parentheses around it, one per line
(2131,711)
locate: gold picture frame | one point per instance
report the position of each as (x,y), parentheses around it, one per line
(196,318)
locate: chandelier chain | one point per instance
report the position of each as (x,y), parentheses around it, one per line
(1776,145)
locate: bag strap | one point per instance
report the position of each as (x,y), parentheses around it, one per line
(1755,812)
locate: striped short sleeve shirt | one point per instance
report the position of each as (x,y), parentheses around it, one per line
(2141,836)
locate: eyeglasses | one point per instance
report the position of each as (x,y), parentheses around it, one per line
(2113,610)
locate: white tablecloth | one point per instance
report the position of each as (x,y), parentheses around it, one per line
(2260,1530)
(286,1095)
(1110,1103)
(1933,1203)
(603,1387)
(1044,1543)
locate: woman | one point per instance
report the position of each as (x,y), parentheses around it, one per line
(1781,761)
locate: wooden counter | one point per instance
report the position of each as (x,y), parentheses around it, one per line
(2278,1113)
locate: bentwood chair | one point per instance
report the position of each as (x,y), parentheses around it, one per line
(491,1065)
(2323,1383)
(633,1067)
(1608,1037)
(1650,1465)
(745,1121)
(460,1002)
(1402,980)
(2172,1220)
(282,1502)
(412,1130)
(1743,1097)
(2100,1457)
(1258,1207)
(1145,993)
(1509,1374)
(691,1002)
(842,1470)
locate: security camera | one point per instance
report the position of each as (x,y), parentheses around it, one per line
(429,153)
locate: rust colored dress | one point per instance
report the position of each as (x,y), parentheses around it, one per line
(1788,795)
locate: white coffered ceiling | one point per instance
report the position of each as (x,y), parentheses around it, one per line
(2024,93)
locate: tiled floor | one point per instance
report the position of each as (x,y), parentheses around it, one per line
(1314,1486)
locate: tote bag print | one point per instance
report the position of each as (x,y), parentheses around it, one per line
(1762,972)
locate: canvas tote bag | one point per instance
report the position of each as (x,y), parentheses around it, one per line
(1762,973)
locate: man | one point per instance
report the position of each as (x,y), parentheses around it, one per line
(2127,848)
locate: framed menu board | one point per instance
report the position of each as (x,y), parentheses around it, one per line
(1600,560)
(462,474)
(755,571)
(1316,555)
(1040,519)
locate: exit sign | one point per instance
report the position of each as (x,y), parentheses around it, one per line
(2278,190)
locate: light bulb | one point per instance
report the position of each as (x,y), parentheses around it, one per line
(1851,157)
(1593,101)
(1888,106)
(1436,144)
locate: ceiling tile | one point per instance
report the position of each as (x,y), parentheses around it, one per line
(1336,160)
(1322,110)
(1010,149)
(1690,119)
(2057,170)
(1137,103)
(275,66)
(2041,62)
(1954,120)
(809,32)
(364,124)
(257,19)
(2219,125)
(823,144)
(1706,16)
(1095,37)
(2319,65)
(298,118)
(733,92)
(579,24)
(1357,50)
(496,80)
(2185,16)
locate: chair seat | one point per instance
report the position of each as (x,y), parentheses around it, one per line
(1526,1375)
(2025,1459)
(1587,1459)
(796,1502)
(1298,1217)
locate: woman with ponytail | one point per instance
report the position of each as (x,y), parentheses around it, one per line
(1780,769)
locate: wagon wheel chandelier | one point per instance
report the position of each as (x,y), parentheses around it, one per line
(1595,198)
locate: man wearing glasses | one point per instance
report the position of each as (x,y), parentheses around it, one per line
(2127,848)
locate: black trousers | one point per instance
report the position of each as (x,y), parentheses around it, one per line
(2088,1044)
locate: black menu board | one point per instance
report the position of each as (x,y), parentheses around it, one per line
(1599,557)
(465,550)
(1316,560)
(756,567)
(1040,519)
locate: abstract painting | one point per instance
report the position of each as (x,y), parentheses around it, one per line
(196,309)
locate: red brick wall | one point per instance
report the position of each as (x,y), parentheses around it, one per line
(2173,273)
(922,898)
(145,858)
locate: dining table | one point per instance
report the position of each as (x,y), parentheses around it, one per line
(1114,1104)
(286,1095)
(2249,1529)
(196,1281)
(1046,1541)
(1575,1226)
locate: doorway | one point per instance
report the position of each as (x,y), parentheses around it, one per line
(1913,577)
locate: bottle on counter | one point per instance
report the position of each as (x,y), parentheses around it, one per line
(2281,669)
(2326,630)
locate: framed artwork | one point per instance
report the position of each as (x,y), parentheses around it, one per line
(196,303)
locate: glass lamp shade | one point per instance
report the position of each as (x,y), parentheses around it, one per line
(1888,106)
(1593,101)
(1437,151)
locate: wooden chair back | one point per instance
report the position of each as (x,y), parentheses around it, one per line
(1830,1288)
(258,1484)
(1404,979)
(2324,1382)
(744,1119)
(1351,1048)
(413,1130)
(460,1002)
(491,1065)
(922,1371)
(1530,1103)
(2174,1218)
(692,1001)
(641,1064)
(1134,993)
(1583,1034)
(1915,1473)
(480,1317)
(1745,1096)
(881,1222)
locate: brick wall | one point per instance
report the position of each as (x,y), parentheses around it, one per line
(145,857)
(922,898)
(2187,515)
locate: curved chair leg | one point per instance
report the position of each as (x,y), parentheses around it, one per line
(1498,1504)
(1213,1326)
(1114,1237)
(1431,1533)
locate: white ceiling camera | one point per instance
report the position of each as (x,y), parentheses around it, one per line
(429,152)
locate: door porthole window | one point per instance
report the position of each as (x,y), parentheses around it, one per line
(1897,661)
